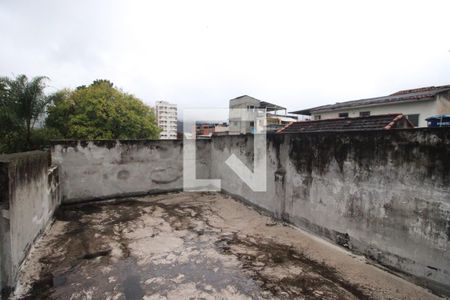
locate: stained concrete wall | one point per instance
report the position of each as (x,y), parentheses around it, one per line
(385,194)
(29,193)
(112,168)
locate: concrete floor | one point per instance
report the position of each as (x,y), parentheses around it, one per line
(191,246)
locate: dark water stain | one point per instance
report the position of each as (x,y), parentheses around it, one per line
(181,216)
(42,288)
(315,277)
(59,280)
(88,251)
(97,254)
(76,212)
(132,288)
(123,174)
(166,181)
(5,292)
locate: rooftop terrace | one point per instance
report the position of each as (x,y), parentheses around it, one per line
(193,245)
(344,215)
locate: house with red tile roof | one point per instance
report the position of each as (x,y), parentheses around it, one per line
(416,104)
(382,122)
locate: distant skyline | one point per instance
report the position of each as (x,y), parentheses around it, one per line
(204,53)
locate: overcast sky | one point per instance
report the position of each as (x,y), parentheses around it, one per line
(203,53)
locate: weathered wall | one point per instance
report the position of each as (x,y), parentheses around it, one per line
(443,103)
(104,169)
(382,193)
(29,195)
(385,194)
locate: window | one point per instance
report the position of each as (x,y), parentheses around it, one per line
(252,123)
(343,115)
(364,113)
(317,117)
(414,119)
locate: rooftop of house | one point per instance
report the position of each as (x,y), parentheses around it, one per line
(411,95)
(388,121)
(261,104)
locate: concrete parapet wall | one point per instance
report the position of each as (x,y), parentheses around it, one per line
(29,194)
(385,194)
(105,169)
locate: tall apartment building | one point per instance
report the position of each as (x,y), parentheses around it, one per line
(166,116)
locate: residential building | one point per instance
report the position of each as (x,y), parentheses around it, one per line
(276,122)
(166,116)
(204,129)
(388,121)
(416,104)
(221,129)
(249,115)
(207,129)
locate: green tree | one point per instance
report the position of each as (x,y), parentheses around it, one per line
(100,111)
(22,102)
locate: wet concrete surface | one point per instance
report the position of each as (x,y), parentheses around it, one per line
(193,246)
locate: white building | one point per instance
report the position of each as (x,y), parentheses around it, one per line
(250,115)
(166,116)
(416,105)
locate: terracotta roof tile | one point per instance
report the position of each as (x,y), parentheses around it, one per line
(388,121)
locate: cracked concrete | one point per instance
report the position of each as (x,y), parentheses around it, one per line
(193,245)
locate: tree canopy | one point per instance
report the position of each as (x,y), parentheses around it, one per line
(100,111)
(22,103)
